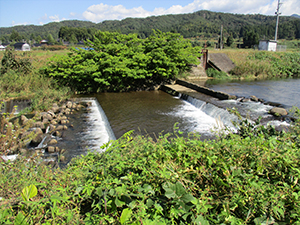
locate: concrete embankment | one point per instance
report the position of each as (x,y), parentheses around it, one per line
(185,87)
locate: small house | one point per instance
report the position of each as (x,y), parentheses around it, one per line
(2,48)
(44,42)
(267,45)
(21,46)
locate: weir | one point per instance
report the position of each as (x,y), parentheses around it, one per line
(90,130)
(216,103)
(98,130)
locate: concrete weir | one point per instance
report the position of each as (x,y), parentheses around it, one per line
(186,90)
(196,91)
(246,107)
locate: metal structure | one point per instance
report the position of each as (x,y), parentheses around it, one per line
(277,21)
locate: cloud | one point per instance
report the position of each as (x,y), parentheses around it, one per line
(13,23)
(56,18)
(101,12)
(72,14)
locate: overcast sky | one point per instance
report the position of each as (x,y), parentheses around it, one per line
(39,12)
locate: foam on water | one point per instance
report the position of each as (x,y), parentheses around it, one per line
(98,130)
(196,120)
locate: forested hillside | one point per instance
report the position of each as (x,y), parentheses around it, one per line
(201,24)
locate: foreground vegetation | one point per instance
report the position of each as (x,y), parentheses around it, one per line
(251,177)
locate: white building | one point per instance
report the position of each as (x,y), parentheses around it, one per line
(22,46)
(267,45)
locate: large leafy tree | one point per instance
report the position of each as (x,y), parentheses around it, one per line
(119,62)
(250,39)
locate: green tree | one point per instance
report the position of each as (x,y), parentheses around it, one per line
(119,62)
(15,36)
(38,39)
(73,39)
(50,39)
(250,39)
(229,41)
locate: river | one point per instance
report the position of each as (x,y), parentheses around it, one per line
(283,91)
(152,113)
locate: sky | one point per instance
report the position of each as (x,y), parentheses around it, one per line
(40,12)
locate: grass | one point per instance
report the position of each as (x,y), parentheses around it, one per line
(254,64)
(33,85)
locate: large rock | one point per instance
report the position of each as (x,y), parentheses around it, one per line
(69,104)
(50,149)
(61,127)
(254,98)
(24,119)
(277,111)
(39,124)
(55,108)
(52,142)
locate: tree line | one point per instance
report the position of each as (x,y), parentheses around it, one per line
(203,25)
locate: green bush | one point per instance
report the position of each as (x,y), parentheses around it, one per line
(270,64)
(11,62)
(210,72)
(118,62)
(251,177)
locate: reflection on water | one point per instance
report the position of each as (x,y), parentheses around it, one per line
(152,112)
(283,91)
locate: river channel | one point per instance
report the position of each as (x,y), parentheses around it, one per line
(151,113)
(283,91)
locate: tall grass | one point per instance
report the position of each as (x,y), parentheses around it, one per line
(33,85)
(263,64)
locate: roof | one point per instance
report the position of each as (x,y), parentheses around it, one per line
(19,44)
(221,61)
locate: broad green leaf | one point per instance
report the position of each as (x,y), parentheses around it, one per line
(201,221)
(187,198)
(126,214)
(170,193)
(20,219)
(180,190)
(149,203)
(29,192)
(119,203)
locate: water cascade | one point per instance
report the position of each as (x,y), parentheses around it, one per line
(219,114)
(98,130)
(90,130)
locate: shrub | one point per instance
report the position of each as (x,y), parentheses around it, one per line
(216,74)
(10,62)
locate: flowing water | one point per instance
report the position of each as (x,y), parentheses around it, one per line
(283,91)
(155,112)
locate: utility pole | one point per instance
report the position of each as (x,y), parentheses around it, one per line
(221,38)
(277,21)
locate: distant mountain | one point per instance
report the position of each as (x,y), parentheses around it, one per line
(295,15)
(202,24)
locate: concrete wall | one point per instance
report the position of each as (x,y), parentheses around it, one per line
(207,91)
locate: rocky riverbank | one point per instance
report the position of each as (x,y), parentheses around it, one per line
(38,133)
